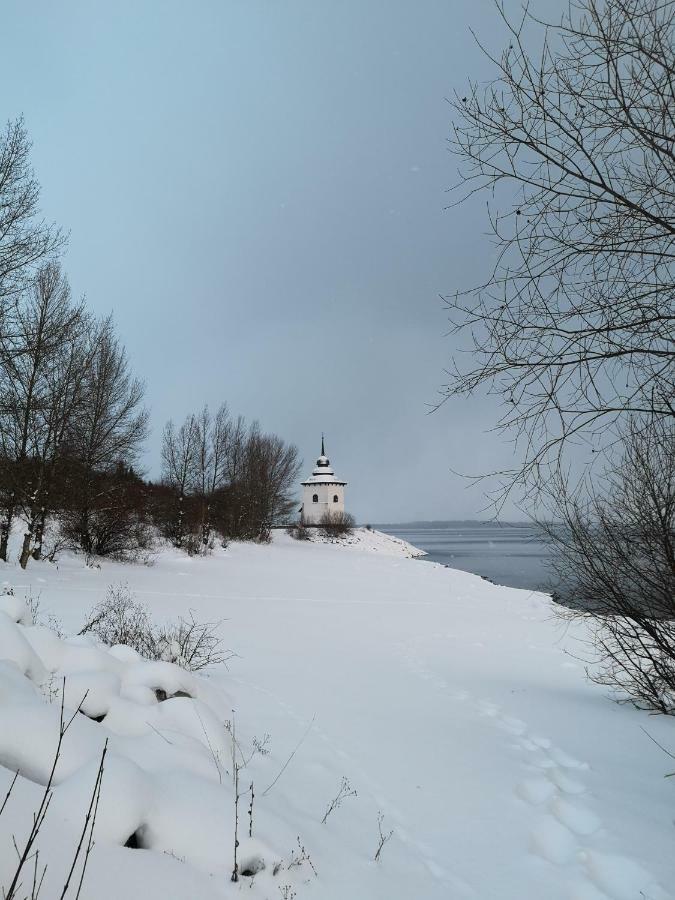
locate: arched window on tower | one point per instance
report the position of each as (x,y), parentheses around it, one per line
(315,498)
(335,498)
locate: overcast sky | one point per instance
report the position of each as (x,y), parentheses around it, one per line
(257,191)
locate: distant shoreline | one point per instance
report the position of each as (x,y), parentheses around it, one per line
(444,523)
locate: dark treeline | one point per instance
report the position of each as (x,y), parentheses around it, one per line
(73,420)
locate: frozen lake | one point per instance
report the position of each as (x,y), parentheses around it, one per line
(513,554)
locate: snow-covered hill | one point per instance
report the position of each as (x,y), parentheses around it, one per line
(367,539)
(459,712)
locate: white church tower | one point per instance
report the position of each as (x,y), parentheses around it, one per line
(322,492)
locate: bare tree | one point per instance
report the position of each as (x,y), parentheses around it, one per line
(179,452)
(106,437)
(26,240)
(213,444)
(224,475)
(615,557)
(573,145)
(40,370)
(66,383)
(266,482)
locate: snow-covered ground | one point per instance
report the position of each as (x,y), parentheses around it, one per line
(368,539)
(457,709)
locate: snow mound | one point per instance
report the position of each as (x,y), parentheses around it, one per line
(367,539)
(167,783)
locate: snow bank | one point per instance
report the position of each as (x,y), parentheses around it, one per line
(457,709)
(168,774)
(367,539)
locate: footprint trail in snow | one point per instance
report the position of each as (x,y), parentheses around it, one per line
(564,825)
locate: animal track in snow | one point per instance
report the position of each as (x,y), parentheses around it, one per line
(576,817)
(567,762)
(621,878)
(558,835)
(566,826)
(565,783)
(536,791)
(552,840)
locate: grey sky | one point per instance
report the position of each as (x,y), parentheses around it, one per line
(256,189)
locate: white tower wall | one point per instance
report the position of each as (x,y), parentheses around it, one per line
(313,512)
(328,490)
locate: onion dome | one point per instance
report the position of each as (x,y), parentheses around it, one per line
(323,472)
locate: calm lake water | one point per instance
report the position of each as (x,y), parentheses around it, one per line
(512,554)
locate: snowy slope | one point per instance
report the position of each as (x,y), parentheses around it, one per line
(456,708)
(371,540)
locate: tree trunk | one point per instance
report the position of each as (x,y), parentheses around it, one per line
(4,537)
(5,529)
(39,534)
(206,525)
(179,523)
(25,549)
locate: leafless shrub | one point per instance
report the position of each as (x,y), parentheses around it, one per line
(336,524)
(299,531)
(54,542)
(384,837)
(37,615)
(190,644)
(345,791)
(119,619)
(192,543)
(615,559)
(116,531)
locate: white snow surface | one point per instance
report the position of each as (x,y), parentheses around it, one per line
(370,540)
(457,709)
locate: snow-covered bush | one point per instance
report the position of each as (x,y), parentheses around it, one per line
(119,619)
(125,753)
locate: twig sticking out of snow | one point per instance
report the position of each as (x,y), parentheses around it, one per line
(302,857)
(30,852)
(285,765)
(89,818)
(383,837)
(235,868)
(250,812)
(9,793)
(287,892)
(346,790)
(660,746)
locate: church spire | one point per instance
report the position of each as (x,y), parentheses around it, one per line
(323,452)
